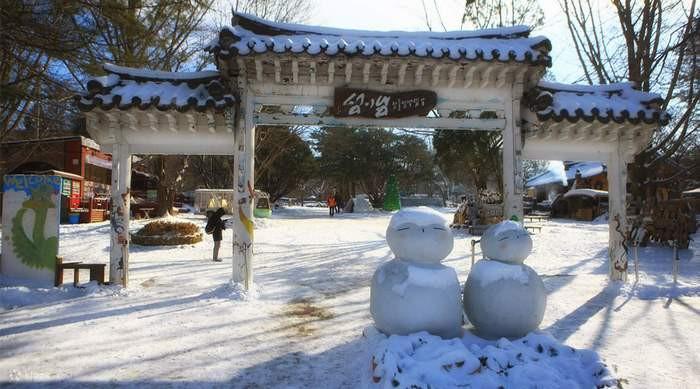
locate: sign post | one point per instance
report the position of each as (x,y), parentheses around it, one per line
(349,102)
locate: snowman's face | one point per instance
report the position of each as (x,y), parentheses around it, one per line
(506,243)
(420,239)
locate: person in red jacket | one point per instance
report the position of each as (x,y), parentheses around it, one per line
(331,203)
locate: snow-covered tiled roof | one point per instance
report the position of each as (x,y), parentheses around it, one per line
(617,102)
(124,88)
(550,176)
(251,35)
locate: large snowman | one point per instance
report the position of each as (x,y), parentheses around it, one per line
(503,297)
(414,291)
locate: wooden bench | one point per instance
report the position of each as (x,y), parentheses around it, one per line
(97,271)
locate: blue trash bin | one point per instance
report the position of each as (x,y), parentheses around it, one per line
(74,218)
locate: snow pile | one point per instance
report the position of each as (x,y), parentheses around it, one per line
(233,290)
(489,271)
(422,360)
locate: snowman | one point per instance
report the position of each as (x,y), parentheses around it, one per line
(503,297)
(414,291)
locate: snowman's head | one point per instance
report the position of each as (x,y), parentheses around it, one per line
(419,234)
(506,241)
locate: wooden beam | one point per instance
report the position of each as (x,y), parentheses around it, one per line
(486,76)
(519,76)
(230,121)
(241,67)
(469,75)
(331,72)
(278,70)
(436,75)
(172,122)
(365,72)
(295,71)
(502,77)
(132,120)
(312,72)
(419,75)
(402,72)
(612,134)
(546,133)
(385,72)
(152,121)
(583,132)
(258,70)
(191,121)
(348,72)
(452,76)
(211,122)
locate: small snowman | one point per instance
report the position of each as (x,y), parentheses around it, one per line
(414,291)
(502,296)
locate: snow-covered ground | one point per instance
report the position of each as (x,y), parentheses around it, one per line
(177,323)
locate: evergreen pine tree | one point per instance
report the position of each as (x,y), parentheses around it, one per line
(392,200)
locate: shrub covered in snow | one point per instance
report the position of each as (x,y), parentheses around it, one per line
(425,361)
(167,232)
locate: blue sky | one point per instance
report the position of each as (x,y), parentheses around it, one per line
(409,15)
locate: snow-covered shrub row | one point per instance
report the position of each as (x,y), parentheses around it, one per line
(425,361)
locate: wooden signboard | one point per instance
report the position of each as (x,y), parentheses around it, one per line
(349,102)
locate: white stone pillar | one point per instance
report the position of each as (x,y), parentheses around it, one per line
(119,217)
(244,195)
(512,163)
(617,212)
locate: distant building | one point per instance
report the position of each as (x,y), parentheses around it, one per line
(85,169)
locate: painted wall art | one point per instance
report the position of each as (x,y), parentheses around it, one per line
(30,220)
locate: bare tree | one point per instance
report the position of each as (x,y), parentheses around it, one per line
(290,11)
(34,35)
(270,142)
(652,43)
(474,157)
(481,14)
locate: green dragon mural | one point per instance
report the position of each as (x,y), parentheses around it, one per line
(39,251)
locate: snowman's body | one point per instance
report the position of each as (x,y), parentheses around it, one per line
(415,292)
(502,296)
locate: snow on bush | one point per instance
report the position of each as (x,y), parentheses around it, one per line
(167,232)
(537,360)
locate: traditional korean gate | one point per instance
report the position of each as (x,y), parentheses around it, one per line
(280,74)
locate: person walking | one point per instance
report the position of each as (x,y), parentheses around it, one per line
(338,203)
(215,226)
(331,203)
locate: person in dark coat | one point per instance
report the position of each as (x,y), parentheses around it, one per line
(215,226)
